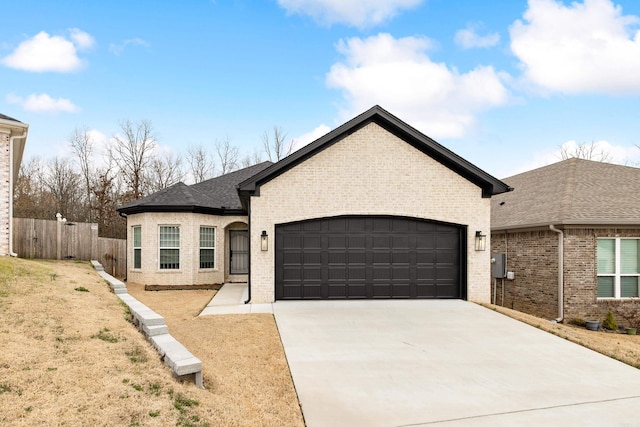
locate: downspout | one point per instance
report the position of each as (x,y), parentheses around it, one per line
(249,264)
(11,139)
(560,272)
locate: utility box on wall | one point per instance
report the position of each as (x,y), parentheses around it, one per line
(498,266)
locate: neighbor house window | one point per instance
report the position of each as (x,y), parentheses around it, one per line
(207,247)
(137,247)
(169,247)
(618,268)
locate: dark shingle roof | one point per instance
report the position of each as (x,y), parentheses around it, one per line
(222,189)
(215,196)
(570,192)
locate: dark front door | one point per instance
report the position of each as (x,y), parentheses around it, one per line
(238,252)
(369,257)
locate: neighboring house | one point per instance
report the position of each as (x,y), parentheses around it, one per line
(373,209)
(571,235)
(13,137)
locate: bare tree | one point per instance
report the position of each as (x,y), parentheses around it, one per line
(83,146)
(586,151)
(63,183)
(132,152)
(165,171)
(201,164)
(227,155)
(30,197)
(251,159)
(275,146)
(107,192)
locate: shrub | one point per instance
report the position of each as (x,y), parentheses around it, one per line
(610,322)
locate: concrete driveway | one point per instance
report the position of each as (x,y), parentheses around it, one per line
(413,363)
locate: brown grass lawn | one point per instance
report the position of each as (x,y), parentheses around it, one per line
(69,356)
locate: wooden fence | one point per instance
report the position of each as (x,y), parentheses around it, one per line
(50,239)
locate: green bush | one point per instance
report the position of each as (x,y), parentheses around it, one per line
(609,322)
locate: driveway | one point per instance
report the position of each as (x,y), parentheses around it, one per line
(449,362)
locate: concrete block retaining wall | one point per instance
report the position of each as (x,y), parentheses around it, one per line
(152,325)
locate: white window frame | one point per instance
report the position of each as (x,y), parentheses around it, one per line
(160,248)
(215,232)
(617,274)
(137,248)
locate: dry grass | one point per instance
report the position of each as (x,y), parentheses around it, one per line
(70,357)
(244,365)
(619,346)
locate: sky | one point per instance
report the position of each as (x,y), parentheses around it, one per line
(504,84)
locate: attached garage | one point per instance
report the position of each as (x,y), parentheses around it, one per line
(373,209)
(356,257)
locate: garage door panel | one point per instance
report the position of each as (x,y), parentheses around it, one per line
(368,257)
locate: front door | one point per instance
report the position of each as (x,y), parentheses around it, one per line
(238,252)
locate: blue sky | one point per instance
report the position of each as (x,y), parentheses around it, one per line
(503,84)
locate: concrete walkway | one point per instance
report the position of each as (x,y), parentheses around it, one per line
(230,300)
(452,363)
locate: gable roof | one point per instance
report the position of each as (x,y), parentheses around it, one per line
(3,117)
(489,185)
(216,196)
(570,192)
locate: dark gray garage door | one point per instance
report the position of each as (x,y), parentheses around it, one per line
(369,257)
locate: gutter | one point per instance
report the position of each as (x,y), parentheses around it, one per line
(560,272)
(11,139)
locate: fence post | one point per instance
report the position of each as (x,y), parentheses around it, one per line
(58,239)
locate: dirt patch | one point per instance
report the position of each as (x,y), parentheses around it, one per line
(70,357)
(619,346)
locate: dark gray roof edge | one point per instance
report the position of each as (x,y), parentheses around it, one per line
(11,119)
(489,184)
(587,223)
(180,208)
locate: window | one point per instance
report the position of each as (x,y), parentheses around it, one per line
(137,247)
(207,247)
(618,268)
(169,247)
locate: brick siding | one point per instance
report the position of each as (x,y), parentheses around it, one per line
(533,257)
(369,172)
(189,272)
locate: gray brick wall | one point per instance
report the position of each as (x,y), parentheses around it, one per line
(532,256)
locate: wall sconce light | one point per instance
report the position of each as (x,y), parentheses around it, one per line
(481,241)
(264,241)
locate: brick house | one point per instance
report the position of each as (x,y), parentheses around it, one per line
(13,137)
(373,209)
(571,235)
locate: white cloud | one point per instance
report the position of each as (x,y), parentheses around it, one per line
(81,39)
(398,75)
(588,47)
(43,103)
(354,13)
(309,137)
(469,38)
(117,49)
(44,52)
